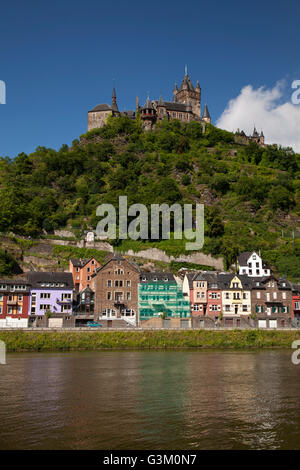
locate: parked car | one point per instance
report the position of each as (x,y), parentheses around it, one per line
(93,324)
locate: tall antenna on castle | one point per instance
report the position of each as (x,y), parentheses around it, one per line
(185,69)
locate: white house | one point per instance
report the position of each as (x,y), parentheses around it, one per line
(251,264)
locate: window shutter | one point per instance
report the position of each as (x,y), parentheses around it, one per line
(256,308)
(287,309)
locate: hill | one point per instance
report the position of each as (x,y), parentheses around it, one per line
(251,194)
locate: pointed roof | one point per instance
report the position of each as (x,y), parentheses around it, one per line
(148,104)
(114,105)
(161,101)
(205,112)
(186,83)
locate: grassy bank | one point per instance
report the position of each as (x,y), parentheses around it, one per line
(93,340)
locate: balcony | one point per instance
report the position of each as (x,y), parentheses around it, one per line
(64,301)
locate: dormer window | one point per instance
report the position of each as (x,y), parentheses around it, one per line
(254,256)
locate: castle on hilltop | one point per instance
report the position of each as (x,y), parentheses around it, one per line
(242,138)
(185,106)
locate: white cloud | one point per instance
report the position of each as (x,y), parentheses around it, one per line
(279,121)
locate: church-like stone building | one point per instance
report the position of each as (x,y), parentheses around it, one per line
(242,138)
(185,106)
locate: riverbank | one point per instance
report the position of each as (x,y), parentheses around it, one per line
(162,339)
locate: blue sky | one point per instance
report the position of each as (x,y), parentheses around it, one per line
(59,58)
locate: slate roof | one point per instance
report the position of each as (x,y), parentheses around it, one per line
(101,107)
(243,257)
(160,276)
(36,278)
(80,263)
(225,279)
(117,257)
(206,112)
(174,106)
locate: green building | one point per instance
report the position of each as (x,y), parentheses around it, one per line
(161,296)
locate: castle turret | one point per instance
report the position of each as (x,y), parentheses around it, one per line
(148,114)
(206,115)
(114,105)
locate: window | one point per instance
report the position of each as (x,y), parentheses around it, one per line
(274,295)
(196,308)
(128,283)
(88,270)
(93,262)
(9,310)
(245,308)
(0,310)
(45,295)
(213,295)
(44,307)
(227,308)
(88,278)
(258,295)
(227,295)
(128,295)
(244,295)
(297,305)
(109,283)
(250,271)
(108,295)
(1,297)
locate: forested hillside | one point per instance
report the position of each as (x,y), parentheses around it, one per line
(251,194)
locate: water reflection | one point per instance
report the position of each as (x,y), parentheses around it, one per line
(150,400)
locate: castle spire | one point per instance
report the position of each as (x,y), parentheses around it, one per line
(114,101)
(206,115)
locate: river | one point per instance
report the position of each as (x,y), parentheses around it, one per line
(150,400)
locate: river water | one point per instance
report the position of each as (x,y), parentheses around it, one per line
(150,400)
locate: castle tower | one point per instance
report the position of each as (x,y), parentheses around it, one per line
(187,93)
(114,105)
(148,115)
(206,115)
(262,138)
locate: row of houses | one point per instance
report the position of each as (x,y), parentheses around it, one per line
(119,294)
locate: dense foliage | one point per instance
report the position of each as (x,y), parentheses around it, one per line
(162,339)
(251,194)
